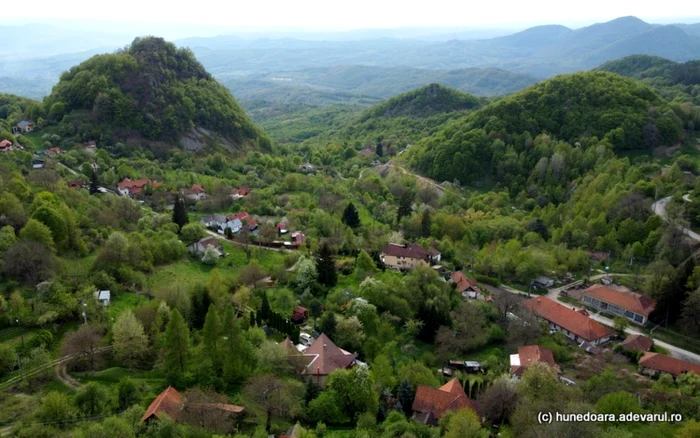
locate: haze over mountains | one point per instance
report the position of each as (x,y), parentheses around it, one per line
(364,69)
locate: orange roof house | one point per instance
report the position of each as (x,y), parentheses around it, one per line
(637,343)
(576,326)
(655,363)
(464,283)
(5,145)
(632,305)
(130,187)
(323,357)
(168,402)
(528,355)
(432,403)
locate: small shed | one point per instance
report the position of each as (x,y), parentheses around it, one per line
(103,296)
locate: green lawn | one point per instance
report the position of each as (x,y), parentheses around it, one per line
(112,376)
(13,335)
(187,271)
(125,301)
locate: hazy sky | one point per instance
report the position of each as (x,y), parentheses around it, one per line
(329,14)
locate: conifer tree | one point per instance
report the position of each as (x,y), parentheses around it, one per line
(180,212)
(94,182)
(177,345)
(238,355)
(425,223)
(210,336)
(350,216)
(265,311)
(325,265)
(404,206)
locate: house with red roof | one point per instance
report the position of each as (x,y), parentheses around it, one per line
(431,403)
(51,152)
(299,314)
(77,183)
(195,193)
(632,305)
(653,364)
(298,239)
(5,145)
(168,403)
(240,192)
(637,343)
(135,187)
(408,256)
(574,325)
(465,285)
(529,354)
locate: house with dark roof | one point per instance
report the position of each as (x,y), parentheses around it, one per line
(529,354)
(38,163)
(213,221)
(408,256)
(167,403)
(574,325)
(465,285)
(431,403)
(23,127)
(637,343)
(198,248)
(632,305)
(322,358)
(653,364)
(135,187)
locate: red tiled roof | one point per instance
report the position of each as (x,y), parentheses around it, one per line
(326,357)
(667,364)
(75,183)
(633,301)
(463,282)
(241,191)
(139,184)
(568,319)
(410,251)
(637,342)
(243,215)
(448,398)
(196,190)
(530,354)
(5,143)
(168,402)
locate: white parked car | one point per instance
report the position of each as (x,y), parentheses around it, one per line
(305,339)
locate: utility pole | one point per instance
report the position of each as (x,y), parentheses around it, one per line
(84,312)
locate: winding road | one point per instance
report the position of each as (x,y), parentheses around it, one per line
(659,208)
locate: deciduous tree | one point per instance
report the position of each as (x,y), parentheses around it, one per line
(129,341)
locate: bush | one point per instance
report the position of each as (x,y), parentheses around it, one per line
(495,282)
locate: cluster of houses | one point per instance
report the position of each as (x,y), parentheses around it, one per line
(134,187)
(244,222)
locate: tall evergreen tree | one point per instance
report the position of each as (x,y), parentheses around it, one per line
(200,305)
(177,345)
(405,396)
(180,212)
(380,148)
(425,223)
(404,206)
(94,182)
(211,334)
(325,265)
(351,217)
(265,311)
(327,324)
(238,355)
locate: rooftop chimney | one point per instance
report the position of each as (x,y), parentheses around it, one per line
(325,346)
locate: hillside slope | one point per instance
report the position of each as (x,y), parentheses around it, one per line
(593,106)
(151,91)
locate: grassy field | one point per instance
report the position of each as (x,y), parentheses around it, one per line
(151,380)
(13,335)
(125,301)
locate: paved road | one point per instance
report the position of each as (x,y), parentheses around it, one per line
(659,208)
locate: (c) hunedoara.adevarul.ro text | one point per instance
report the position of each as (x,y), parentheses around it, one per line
(631,417)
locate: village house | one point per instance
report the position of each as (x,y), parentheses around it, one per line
(234,225)
(653,364)
(195,193)
(408,256)
(282,228)
(529,354)
(5,146)
(90,147)
(213,221)
(103,297)
(465,285)
(431,403)
(38,163)
(637,343)
(23,127)
(169,404)
(76,183)
(322,358)
(298,239)
(53,151)
(240,192)
(299,315)
(198,248)
(542,282)
(135,187)
(634,306)
(575,325)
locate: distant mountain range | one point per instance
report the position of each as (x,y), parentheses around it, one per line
(378,68)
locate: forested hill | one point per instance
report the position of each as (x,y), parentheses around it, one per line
(424,102)
(639,66)
(150,91)
(592,108)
